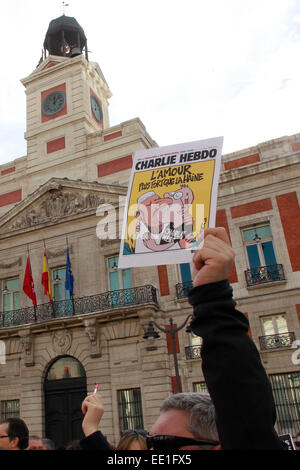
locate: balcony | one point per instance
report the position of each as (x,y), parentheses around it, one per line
(282,340)
(193,352)
(183,289)
(264,274)
(78,306)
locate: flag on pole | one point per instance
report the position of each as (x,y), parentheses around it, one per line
(28,285)
(69,275)
(46,280)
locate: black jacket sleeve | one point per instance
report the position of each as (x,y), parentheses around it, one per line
(235,377)
(95,441)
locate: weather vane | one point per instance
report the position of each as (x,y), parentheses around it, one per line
(64,6)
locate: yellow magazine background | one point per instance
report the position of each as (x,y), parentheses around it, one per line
(198,178)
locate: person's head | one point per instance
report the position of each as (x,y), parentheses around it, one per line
(132,440)
(13,434)
(297,441)
(35,443)
(188,415)
(48,444)
(74,445)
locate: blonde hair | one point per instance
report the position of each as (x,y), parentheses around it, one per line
(130,437)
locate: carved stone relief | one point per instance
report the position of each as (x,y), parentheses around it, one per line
(55,205)
(18,262)
(93,334)
(26,340)
(62,341)
(62,252)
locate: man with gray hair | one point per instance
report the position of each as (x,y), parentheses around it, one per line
(190,415)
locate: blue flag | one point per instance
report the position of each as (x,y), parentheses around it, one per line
(69,275)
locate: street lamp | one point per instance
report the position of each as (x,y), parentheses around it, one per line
(151,333)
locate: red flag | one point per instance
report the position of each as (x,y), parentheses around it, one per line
(28,286)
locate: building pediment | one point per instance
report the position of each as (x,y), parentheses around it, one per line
(50,63)
(58,201)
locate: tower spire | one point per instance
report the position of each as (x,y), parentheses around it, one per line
(64,6)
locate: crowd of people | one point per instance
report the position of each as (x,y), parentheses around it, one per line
(239,411)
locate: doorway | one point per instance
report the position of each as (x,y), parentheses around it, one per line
(65,389)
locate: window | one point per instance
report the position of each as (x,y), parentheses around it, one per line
(130,409)
(11,294)
(274,325)
(186,283)
(194,350)
(261,256)
(10,300)
(10,409)
(286,391)
(186,276)
(120,283)
(200,387)
(195,339)
(63,305)
(259,246)
(65,368)
(275,331)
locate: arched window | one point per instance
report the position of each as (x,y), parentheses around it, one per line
(66,367)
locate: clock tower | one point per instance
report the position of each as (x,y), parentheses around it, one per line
(67,99)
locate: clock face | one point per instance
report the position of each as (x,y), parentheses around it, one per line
(54,102)
(96,108)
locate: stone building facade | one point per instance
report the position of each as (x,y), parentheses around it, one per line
(51,356)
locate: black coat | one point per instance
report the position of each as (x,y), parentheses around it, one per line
(232,368)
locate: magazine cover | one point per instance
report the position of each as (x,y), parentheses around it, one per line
(171,199)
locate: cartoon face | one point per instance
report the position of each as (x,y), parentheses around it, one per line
(182,198)
(184,195)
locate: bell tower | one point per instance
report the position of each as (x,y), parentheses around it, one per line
(67,98)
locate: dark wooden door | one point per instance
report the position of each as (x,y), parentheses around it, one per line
(63,416)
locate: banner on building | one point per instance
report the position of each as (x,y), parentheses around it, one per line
(172,198)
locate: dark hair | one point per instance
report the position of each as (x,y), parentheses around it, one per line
(73,445)
(17,428)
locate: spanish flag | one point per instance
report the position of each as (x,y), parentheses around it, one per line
(46,280)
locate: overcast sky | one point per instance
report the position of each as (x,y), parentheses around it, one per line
(189,69)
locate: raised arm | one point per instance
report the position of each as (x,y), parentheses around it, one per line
(235,377)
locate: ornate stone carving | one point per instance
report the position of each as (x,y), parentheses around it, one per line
(18,262)
(108,242)
(62,341)
(62,252)
(26,340)
(55,205)
(92,332)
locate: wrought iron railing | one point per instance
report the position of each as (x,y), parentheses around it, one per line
(183,289)
(264,274)
(193,352)
(282,340)
(78,306)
